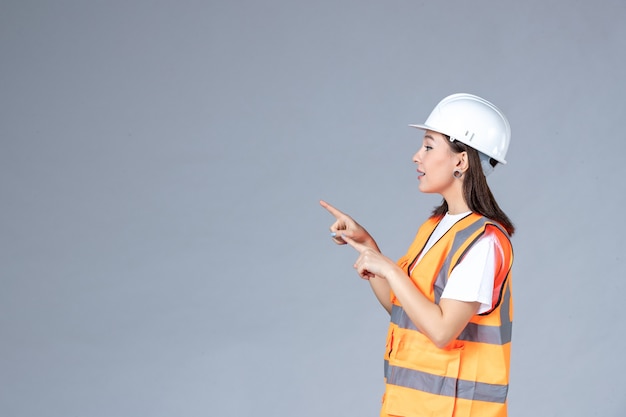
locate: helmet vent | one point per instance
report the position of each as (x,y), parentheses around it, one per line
(467,133)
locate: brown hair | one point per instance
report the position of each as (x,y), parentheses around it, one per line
(476,191)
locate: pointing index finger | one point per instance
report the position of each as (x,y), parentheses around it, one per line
(332,210)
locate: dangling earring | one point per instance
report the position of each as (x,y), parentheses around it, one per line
(457,174)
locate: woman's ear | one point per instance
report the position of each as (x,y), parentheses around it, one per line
(463,161)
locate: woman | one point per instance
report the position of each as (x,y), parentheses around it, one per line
(449,296)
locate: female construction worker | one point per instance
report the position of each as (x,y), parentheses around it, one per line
(449,297)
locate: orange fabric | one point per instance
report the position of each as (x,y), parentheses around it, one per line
(470,376)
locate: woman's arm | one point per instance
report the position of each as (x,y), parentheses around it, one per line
(441,323)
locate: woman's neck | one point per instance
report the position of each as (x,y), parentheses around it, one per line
(456,203)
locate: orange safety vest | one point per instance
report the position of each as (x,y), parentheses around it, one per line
(470,376)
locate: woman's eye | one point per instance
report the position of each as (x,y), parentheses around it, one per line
(428,148)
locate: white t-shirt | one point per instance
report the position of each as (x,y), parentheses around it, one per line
(472,279)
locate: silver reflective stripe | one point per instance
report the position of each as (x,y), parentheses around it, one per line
(506,324)
(450,387)
(400,318)
(386,368)
(494,335)
(459,239)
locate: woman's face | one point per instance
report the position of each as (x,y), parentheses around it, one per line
(435,164)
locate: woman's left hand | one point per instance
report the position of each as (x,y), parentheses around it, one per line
(370,263)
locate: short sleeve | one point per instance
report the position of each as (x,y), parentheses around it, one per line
(472,280)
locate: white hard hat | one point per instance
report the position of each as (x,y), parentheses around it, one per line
(473,121)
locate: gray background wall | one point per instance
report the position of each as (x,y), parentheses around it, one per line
(162,248)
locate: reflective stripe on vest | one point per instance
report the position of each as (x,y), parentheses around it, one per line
(473,332)
(450,387)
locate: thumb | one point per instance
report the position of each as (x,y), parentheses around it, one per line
(338,236)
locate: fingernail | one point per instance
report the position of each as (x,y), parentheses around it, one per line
(333,234)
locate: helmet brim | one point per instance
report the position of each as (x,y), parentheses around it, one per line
(426,127)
